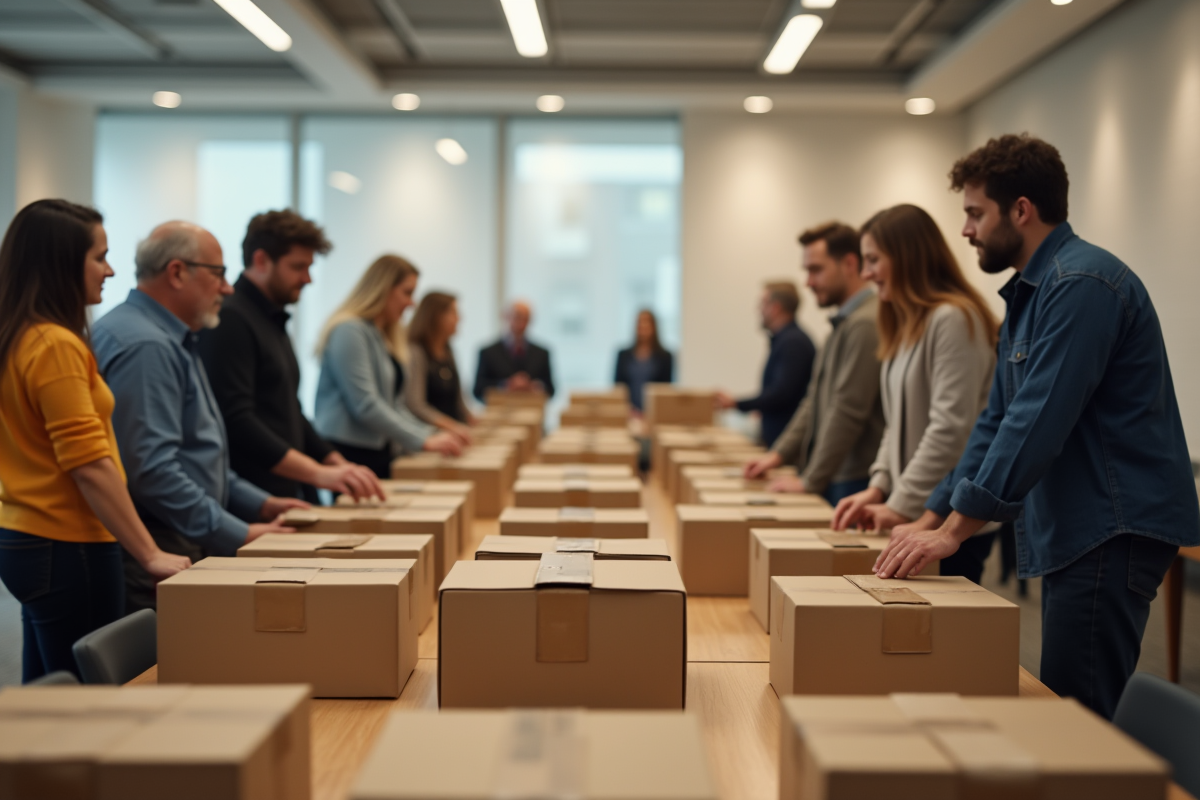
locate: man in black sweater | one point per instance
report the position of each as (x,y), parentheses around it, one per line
(789,364)
(514,363)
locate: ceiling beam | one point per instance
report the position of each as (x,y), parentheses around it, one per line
(123,27)
(401,27)
(906,28)
(319,53)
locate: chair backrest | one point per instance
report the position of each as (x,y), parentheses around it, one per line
(58,678)
(120,651)
(1166,719)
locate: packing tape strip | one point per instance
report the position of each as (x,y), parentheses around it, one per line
(543,756)
(564,569)
(576,514)
(567,545)
(907,617)
(838,539)
(345,542)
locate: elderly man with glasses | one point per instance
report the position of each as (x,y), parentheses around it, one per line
(169,428)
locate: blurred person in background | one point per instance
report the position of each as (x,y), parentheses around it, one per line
(514,363)
(647,361)
(433,388)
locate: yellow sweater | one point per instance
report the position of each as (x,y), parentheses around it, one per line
(55,415)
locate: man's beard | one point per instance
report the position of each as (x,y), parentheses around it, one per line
(1002,248)
(211,320)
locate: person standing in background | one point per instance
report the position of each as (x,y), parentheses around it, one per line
(433,390)
(789,363)
(834,435)
(647,361)
(167,421)
(937,339)
(514,363)
(64,506)
(360,403)
(255,376)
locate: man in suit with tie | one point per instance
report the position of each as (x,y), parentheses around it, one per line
(514,363)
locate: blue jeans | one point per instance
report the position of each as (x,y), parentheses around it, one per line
(1094,613)
(66,590)
(834,492)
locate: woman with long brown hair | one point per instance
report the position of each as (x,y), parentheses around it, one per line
(937,342)
(65,511)
(434,390)
(645,361)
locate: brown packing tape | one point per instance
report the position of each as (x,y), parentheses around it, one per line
(562,625)
(907,617)
(279,602)
(343,543)
(842,539)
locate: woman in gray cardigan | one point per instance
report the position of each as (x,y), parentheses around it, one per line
(937,342)
(360,408)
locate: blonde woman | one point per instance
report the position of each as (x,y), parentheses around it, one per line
(937,342)
(360,409)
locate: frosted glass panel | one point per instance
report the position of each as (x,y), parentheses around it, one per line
(216,171)
(593,237)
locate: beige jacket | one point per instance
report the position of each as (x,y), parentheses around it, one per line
(932,394)
(834,434)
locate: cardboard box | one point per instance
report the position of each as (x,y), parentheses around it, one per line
(490,476)
(666,440)
(860,634)
(617,395)
(532,419)
(595,755)
(517,436)
(563,631)
(155,742)
(417,546)
(596,416)
(589,435)
(671,405)
(713,545)
(677,460)
(625,453)
(399,492)
(691,475)
(503,397)
(531,548)
(588,472)
(760,499)
(579,493)
(441,523)
(576,523)
(947,747)
(349,630)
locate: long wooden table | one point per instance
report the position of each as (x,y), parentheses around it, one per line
(727,687)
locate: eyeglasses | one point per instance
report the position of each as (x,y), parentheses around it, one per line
(220,270)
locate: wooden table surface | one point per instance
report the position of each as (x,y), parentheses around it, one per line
(727,687)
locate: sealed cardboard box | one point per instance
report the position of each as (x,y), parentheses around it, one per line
(617,395)
(349,629)
(503,397)
(532,419)
(578,492)
(713,544)
(592,755)
(595,415)
(530,548)
(586,472)
(701,439)
(677,460)
(154,742)
(567,630)
(769,499)
(576,523)
(589,452)
(671,405)
(518,437)
(489,475)
(947,747)
(398,494)
(690,476)
(691,487)
(441,523)
(859,634)
(417,546)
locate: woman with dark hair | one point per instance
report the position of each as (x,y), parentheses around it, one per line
(937,342)
(434,390)
(646,362)
(65,511)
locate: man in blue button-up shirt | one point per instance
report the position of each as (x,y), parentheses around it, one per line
(1081,445)
(168,425)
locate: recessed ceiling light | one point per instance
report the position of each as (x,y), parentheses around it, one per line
(818,3)
(757,104)
(406,101)
(255,20)
(791,44)
(452,151)
(526,26)
(1061,2)
(550,103)
(919,106)
(166,99)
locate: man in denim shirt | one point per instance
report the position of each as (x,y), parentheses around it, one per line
(1081,445)
(168,425)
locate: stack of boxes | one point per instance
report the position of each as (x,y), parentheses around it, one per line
(590,446)
(609,409)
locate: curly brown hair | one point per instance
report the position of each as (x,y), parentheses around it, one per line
(1010,167)
(277,232)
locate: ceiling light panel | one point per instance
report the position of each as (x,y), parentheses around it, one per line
(166,99)
(797,35)
(255,20)
(406,101)
(550,103)
(451,150)
(757,104)
(526,25)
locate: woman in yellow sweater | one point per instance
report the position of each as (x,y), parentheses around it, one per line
(65,506)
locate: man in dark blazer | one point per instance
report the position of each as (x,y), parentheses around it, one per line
(514,363)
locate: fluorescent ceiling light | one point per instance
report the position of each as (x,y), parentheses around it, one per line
(452,151)
(406,101)
(166,99)
(757,104)
(1060,2)
(791,44)
(818,3)
(526,26)
(345,182)
(550,103)
(919,106)
(255,20)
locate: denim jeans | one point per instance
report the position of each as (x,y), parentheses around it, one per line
(834,492)
(968,560)
(1094,613)
(66,590)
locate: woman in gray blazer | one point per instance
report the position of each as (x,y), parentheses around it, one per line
(937,344)
(360,407)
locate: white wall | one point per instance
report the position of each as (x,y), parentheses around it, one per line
(752,183)
(1122,104)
